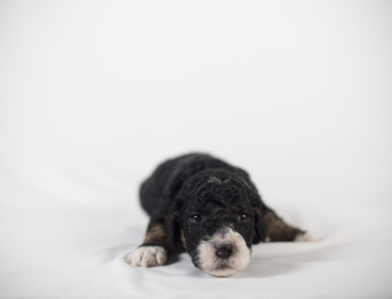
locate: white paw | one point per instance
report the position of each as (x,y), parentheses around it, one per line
(306,237)
(147,256)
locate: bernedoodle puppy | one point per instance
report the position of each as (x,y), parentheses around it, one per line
(211,210)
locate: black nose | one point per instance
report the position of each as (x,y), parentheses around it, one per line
(223,251)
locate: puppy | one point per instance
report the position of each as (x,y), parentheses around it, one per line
(211,210)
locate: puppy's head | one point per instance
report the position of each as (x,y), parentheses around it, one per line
(217,216)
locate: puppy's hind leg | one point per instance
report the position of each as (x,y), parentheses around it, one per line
(154,250)
(278,230)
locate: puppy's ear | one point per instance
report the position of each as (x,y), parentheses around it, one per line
(173,226)
(259,225)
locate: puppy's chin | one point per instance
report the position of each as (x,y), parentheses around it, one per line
(208,262)
(223,272)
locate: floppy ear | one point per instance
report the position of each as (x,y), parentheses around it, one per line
(173,225)
(259,225)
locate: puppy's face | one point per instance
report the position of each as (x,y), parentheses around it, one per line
(217,223)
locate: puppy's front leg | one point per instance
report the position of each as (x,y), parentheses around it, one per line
(154,250)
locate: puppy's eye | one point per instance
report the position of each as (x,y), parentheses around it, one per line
(195,218)
(243,217)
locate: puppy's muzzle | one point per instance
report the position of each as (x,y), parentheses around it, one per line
(223,254)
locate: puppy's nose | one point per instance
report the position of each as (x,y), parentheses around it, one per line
(223,251)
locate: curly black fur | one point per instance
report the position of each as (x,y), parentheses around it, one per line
(199,184)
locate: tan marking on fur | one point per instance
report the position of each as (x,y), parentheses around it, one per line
(278,230)
(183,241)
(155,234)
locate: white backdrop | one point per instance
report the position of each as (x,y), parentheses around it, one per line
(94,94)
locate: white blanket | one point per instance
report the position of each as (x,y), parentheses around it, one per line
(68,251)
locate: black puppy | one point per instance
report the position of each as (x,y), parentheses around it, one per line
(210,209)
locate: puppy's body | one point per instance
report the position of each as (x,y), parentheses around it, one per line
(208,208)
